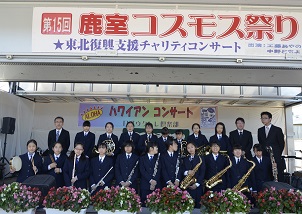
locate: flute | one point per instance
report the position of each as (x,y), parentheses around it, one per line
(73,170)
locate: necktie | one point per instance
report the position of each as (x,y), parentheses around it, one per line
(191,158)
(260,161)
(56,158)
(108,136)
(57,135)
(219,138)
(237,161)
(77,160)
(85,134)
(165,139)
(216,157)
(151,157)
(171,155)
(196,137)
(128,156)
(266,130)
(240,134)
(30,157)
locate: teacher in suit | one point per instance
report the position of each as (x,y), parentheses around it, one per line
(242,137)
(270,135)
(59,135)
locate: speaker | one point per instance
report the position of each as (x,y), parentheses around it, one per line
(43,182)
(8,125)
(277,185)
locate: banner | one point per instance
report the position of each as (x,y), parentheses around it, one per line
(114,31)
(171,116)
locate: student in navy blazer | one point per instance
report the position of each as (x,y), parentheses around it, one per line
(59,134)
(171,164)
(87,138)
(148,137)
(161,141)
(110,136)
(189,162)
(53,164)
(99,166)
(263,168)
(197,138)
(215,162)
(127,167)
(31,162)
(81,172)
(130,135)
(221,137)
(150,170)
(240,167)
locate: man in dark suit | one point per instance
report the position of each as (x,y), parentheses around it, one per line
(87,138)
(242,137)
(59,134)
(270,135)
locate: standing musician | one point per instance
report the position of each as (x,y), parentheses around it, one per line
(216,168)
(270,135)
(221,137)
(197,138)
(126,166)
(130,135)
(99,166)
(110,136)
(59,134)
(53,164)
(76,168)
(162,140)
(31,162)
(87,138)
(170,161)
(263,168)
(179,140)
(242,137)
(191,169)
(150,168)
(147,137)
(240,168)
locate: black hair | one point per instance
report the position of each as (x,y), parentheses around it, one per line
(32,141)
(59,117)
(149,124)
(169,142)
(178,131)
(267,113)
(258,147)
(237,146)
(54,144)
(196,124)
(164,131)
(110,124)
(150,144)
(192,144)
(129,123)
(223,128)
(215,143)
(86,123)
(128,143)
(72,154)
(102,145)
(239,119)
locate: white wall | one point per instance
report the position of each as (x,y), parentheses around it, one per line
(45,113)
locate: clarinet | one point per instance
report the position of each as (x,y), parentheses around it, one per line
(132,172)
(177,167)
(74,165)
(155,168)
(274,169)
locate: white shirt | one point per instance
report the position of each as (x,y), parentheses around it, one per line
(58,130)
(101,158)
(215,156)
(86,133)
(170,153)
(219,136)
(196,136)
(130,133)
(150,156)
(236,160)
(30,155)
(109,135)
(57,156)
(240,131)
(259,159)
(128,155)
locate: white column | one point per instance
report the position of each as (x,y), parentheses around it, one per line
(289,140)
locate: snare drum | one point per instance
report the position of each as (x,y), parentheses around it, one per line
(16,163)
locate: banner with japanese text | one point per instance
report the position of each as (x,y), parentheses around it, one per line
(171,116)
(114,31)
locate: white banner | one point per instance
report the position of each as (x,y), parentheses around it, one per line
(104,31)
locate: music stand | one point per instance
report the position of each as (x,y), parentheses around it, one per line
(3,158)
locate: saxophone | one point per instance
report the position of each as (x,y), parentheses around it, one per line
(238,186)
(216,179)
(190,179)
(274,169)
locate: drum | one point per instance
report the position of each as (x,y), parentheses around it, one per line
(16,163)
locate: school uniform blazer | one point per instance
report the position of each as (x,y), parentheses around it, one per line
(245,141)
(27,167)
(142,144)
(82,172)
(162,145)
(115,140)
(124,166)
(225,144)
(169,167)
(88,141)
(213,167)
(98,171)
(60,164)
(237,171)
(189,165)
(147,169)
(262,172)
(200,141)
(125,137)
(64,139)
